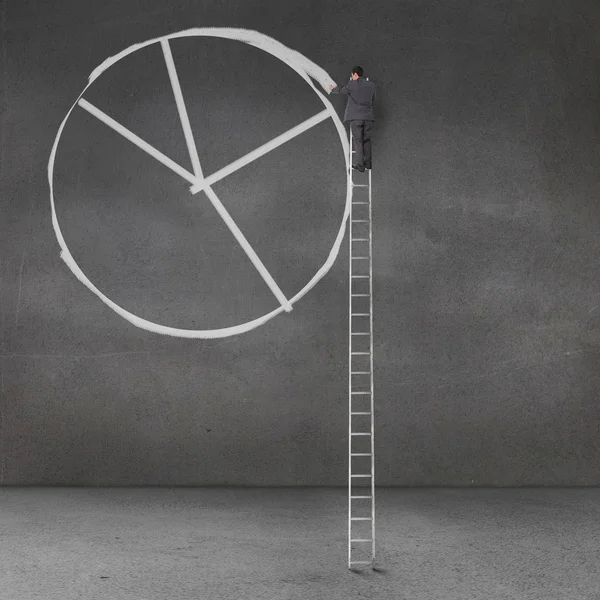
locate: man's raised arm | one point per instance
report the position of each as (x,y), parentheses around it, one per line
(339,89)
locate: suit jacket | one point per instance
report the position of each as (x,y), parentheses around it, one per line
(361,95)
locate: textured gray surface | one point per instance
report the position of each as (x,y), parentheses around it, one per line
(288,544)
(486,248)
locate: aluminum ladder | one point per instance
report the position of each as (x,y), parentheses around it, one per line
(361,438)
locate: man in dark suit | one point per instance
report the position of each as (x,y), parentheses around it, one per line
(359,111)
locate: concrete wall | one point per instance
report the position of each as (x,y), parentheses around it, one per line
(486,219)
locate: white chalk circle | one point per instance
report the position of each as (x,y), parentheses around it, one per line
(296,61)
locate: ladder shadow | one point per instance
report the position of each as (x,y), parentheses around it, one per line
(364,572)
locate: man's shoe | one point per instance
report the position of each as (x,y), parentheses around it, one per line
(360,168)
(368,164)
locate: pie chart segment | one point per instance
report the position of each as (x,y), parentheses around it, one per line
(238,97)
(291,218)
(136,92)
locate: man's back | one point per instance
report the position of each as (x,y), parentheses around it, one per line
(361,95)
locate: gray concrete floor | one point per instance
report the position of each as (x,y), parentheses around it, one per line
(289,543)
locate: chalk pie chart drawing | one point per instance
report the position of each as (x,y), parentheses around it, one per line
(198,185)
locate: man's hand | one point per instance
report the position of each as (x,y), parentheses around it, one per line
(330,86)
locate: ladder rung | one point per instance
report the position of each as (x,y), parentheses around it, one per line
(361,333)
(359,276)
(360,239)
(360,221)
(360,392)
(361,540)
(357,497)
(362,475)
(360,258)
(361,454)
(360,372)
(360,518)
(359,202)
(360,295)
(360,314)
(360,185)
(364,353)
(361,562)
(360,413)
(360,433)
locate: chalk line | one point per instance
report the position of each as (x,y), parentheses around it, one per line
(138,141)
(294,59)
(183,115)
(261,151)
(243,242)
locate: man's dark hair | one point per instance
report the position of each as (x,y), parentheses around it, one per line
(358,70)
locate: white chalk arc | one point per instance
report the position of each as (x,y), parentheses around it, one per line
(305,69)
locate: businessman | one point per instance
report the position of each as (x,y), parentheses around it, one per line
(359,111)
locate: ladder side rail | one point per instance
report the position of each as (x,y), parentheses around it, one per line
(350,361)
(372,373)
